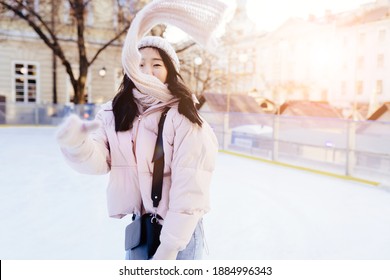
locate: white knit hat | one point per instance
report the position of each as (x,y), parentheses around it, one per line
(162,44)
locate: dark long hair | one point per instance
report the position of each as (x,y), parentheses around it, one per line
(125,108)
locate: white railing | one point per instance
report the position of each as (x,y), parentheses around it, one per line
(358,149)
(43,114)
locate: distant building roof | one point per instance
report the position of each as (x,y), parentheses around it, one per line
(359,112)
(293,27)
(246,106)
(375,124)
(310,109)
(370,15)
(238,103)
(382,114)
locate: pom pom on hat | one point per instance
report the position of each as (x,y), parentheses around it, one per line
(162,44)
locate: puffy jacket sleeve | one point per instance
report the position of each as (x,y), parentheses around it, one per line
(194,153)
(93,155)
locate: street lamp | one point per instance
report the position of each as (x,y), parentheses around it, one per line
(23,70)
(198,60)
(102,72)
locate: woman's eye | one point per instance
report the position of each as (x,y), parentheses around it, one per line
(157,65)
(141,65)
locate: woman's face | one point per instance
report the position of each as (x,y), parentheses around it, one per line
(152,64)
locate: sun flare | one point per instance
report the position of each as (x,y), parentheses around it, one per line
(268,15)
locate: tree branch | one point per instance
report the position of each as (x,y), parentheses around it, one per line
(192,43)
(30,12)
(108,44)
(54,46)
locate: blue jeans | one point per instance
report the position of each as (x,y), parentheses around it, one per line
(194,249)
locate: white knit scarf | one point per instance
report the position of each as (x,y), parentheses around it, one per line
(199,18)
(144,99)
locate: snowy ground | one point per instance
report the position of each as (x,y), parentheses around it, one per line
(260,211)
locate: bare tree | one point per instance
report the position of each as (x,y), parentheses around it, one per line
(200,70)
(42,22)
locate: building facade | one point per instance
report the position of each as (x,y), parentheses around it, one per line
(343,59)
(27,66)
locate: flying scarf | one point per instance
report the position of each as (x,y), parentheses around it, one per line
(199,18)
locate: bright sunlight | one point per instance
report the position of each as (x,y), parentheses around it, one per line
(268,15)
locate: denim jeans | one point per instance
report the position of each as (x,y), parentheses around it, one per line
(194,249)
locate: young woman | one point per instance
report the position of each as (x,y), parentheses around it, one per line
(121,140)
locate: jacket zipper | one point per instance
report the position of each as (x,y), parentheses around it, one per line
(135,137)
(137,128)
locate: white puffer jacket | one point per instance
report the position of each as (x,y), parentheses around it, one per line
(190,153)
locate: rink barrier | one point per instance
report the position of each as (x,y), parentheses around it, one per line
(27,125)
(283,164)
(353,150)
(320,172)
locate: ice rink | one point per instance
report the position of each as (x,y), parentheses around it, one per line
(259,210)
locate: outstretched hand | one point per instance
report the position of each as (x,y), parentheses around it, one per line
(74,131)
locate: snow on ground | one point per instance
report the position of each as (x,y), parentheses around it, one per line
(259,210)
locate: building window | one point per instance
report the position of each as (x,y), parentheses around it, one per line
(361,38)
(124,11)
(343,88)
(324,95)
(380,61)
(345,41)
(31,4)
(25,82)
(359,87)
(360,62)
(66,13)
(89,14)
(382,35)
(379,87)
(69,13)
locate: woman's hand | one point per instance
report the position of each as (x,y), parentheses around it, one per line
(73,132)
